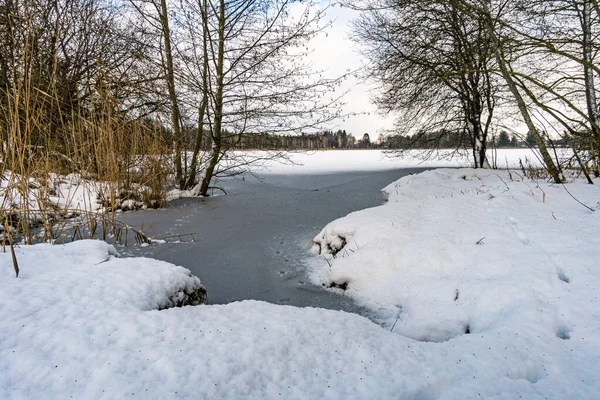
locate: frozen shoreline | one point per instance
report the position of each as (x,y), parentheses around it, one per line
(515,262)
(252,243)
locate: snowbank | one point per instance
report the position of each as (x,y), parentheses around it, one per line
(514,316)
(80,323)
(504,270)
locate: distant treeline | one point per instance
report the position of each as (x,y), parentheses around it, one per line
(449,140)
(321,140)
(340,139)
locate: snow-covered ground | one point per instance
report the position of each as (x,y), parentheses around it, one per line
(68,194)
(485,287)
(500,274)
(327,161)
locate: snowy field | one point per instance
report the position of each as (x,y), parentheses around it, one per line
(500,274)
(319,162)
(483,287)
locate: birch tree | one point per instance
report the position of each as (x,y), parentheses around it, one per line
(558,43)
(491,23)
(570,37)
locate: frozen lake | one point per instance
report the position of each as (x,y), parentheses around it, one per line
(252,243)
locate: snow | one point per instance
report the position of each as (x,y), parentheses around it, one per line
(501,269)
(80,322)
(84,324)
(73,194)
(67,195)
(328,161)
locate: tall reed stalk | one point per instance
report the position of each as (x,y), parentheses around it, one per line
(113,154)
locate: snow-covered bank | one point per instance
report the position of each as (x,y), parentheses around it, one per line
(83,324)
(65,196)
(59,194)
(72,194)
(76,325)
(505,270)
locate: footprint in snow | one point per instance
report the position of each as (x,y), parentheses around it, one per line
(563,332)
(520,235)
(562,275)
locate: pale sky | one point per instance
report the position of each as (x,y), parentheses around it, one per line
(335,52)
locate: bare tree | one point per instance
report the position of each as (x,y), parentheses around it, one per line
(241,69)
(432,61)
(66,50)
(156,14)
(564,34)
(556,44)
(490,20)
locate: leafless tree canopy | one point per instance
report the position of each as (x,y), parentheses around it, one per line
(198,73)
(200,76)
(433,63)
(237,67)
(453,65)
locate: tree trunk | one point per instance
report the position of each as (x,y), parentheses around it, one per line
(478,140)
(170,75)
(479,151)
(218,122)
(590,90)
(552,169)
(204,103)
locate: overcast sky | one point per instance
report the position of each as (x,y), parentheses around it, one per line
(335,52)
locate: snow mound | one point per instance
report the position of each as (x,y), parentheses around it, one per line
(456,254)
(91,275)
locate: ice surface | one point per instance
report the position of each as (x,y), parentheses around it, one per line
(322,162)
(251,243)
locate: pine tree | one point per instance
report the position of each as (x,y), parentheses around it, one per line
(503,139)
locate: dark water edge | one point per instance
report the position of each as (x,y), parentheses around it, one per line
(253,243)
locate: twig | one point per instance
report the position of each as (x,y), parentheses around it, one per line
(218,188)
(520,177)
(499,177)
(574,198)
(180,235)
(508,169)
(583,167)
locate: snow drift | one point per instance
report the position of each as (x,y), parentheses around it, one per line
(503,267)
(484,288)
